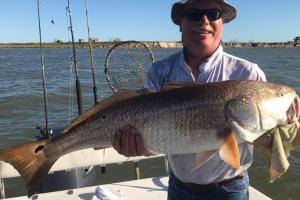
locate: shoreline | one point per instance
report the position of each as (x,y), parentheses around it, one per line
(150,44)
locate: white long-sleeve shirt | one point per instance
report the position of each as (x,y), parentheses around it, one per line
(220,66)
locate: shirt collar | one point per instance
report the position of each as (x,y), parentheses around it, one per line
(209,63)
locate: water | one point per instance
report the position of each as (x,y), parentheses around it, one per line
(21,99)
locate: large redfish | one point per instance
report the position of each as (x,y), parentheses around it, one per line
(181,119)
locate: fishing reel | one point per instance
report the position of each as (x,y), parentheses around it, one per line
(44,133)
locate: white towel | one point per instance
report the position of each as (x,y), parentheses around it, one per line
(102,193)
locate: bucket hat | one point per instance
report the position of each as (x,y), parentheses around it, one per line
(229,11)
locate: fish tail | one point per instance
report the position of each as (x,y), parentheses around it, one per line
(30,161)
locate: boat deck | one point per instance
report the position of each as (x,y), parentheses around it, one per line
(147,189)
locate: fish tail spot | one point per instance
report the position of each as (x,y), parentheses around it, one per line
(39,148)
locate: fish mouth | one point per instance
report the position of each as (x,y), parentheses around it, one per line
(202,30)
(293,112)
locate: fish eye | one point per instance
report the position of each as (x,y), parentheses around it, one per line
(281,94)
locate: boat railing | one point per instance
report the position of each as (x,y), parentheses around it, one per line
(78,159)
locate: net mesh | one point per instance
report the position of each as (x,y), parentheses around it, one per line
(126,65)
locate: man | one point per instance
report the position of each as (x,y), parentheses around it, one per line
(201,60)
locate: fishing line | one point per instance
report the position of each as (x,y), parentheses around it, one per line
(78,90)
(71,72)
(71,90)
(92,63)
(126,64)
(45,133)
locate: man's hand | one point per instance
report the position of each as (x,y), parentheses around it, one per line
(293,112)
(129,142)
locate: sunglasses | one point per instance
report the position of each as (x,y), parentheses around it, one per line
(197,14)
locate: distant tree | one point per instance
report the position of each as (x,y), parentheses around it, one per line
(116,39)
(297,39)
(58,40)
(254,44)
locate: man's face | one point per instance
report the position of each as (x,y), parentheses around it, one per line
(202,36)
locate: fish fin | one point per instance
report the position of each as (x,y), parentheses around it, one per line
(175,85)
(117,97)
(202,158)
(30,161)
(229,151)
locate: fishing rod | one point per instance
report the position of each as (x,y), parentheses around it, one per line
(78,90)
(45,133)
(92,63)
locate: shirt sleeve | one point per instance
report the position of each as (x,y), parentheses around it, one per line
(152,80)
(257,74)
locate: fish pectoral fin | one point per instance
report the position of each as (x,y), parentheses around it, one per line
(229,151)
(202,158)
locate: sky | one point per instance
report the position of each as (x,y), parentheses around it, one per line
(143,20)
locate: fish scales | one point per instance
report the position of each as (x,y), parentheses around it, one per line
(178,114)
(183,124)
(176,122)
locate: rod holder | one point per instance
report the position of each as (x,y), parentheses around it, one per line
(2,189)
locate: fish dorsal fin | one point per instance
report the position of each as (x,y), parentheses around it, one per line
(117,97)
(175,85)
(229,151)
